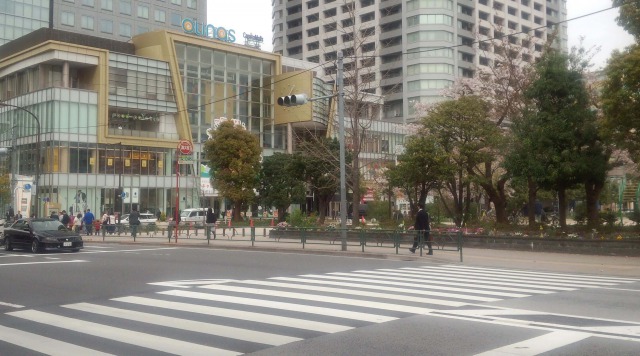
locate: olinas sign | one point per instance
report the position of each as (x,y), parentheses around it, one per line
(209,31)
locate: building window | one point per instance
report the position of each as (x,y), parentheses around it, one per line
(177,2)
(141,29)
(106,26)
(106,5)
(176,19)
(192,4)
(125,7)
(125,30)
(86,22)
(67,18)
(160,16)
(143,11)
(90,3)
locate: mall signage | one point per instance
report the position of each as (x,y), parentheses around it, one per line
(207,30)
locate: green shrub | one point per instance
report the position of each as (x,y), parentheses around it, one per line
(608,217)
(163,217)
(298,219)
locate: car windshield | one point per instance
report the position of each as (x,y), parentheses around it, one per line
(47,225)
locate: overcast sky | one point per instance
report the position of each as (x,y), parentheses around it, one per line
(254,16)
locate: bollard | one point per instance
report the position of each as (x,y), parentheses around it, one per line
(104,233)
(253,236)
(264,232)
(243,232)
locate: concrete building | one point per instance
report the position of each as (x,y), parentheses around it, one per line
(111,115)
(412,49)
(113,19)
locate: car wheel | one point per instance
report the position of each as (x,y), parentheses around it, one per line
(35,246)
(7,244)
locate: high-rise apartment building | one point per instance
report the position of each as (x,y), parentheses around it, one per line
(113,19)
(414,48)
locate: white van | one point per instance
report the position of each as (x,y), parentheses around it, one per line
(198,215)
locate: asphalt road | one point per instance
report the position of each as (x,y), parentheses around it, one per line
(151,300)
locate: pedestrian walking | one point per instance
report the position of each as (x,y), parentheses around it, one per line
(134,221)
(211,222)
(65,219)
(421,226)
(87,221)
(77,223)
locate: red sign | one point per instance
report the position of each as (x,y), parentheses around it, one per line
(185,147)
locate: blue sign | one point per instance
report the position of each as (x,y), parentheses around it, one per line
(123,194)
(209,31)
(27,186)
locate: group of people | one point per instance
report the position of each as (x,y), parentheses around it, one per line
(88,224)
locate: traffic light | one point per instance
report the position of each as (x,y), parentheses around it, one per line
(292,100)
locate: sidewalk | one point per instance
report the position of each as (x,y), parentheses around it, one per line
(542,261)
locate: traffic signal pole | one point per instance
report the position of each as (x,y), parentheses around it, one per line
(300,99)
(343,184)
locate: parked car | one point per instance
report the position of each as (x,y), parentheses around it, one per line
(145,218)
(198,215)
(39,235)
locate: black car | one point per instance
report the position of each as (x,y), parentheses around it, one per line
(40,234)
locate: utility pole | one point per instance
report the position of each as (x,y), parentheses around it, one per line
(343,183)
(300,99)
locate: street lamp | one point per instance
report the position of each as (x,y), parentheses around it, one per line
(14,179)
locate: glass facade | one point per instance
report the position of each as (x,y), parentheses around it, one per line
(224,84)
(19,17)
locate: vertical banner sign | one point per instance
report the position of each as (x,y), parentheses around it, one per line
(185,150)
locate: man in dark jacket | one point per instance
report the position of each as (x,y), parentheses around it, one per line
(134,221)
(422,228)
(65,220)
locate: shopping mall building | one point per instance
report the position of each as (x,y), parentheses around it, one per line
(111,115)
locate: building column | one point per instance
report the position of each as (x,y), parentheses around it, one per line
(65,75)
(289,138)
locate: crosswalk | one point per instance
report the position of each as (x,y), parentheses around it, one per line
(231,317)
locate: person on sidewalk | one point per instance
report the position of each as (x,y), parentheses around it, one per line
(134,221)
(422,228)
(211,223)
(87,221)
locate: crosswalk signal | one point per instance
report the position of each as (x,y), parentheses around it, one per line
(292,100)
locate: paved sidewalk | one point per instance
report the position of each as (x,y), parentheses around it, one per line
(543,261)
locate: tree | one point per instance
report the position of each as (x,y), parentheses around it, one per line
(629,17)
(461,128)
(501,84)
(563,132)
(281,183)
(621,100)
(419,170)
(234,157)
(320,161)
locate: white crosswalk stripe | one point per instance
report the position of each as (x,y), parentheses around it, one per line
(230,317)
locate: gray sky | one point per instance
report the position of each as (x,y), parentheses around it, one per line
(254,16)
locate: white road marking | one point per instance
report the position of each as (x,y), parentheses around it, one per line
(552,274)
(237,314)
(40,263)
(188,325)
(383,277)
(493,281)
(17,255)
(137,250)
(188,283)
(11,305)
(383,288)
(158,343)
(405,298)
(540,344)
(345,314)
(490,277)
(622,330)
(44,344)
(414,309)
(416,286)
